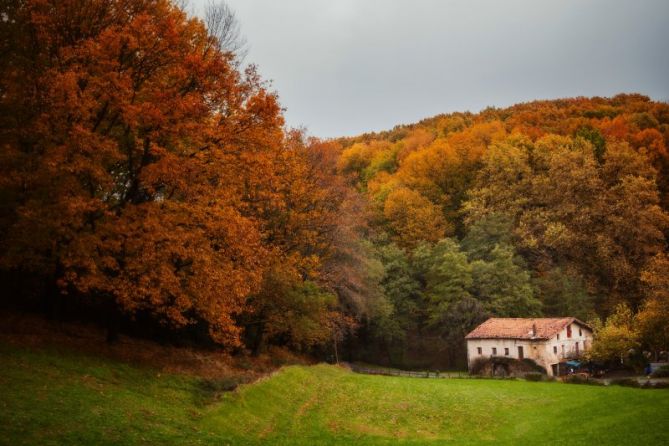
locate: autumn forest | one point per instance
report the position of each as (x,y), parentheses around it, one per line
(150,185)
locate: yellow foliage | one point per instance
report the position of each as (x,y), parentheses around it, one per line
(413,218)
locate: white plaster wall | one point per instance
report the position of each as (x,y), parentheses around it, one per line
(500,344)
(568,345)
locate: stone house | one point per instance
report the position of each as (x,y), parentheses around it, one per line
(547,341)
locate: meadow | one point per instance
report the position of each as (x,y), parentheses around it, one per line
(55,397)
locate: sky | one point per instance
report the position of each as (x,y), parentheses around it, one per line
(345,67)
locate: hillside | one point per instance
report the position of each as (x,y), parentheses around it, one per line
(59,397)
(546,208)
(151,184)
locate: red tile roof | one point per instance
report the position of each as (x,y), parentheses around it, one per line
(521,328)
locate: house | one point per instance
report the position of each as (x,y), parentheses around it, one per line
(547,341)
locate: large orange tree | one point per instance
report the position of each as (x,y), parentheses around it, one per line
(139,165)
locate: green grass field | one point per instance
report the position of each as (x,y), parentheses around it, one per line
(56,398)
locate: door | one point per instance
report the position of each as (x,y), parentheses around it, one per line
(520,352)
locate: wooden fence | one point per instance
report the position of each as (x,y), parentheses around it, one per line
(407,373)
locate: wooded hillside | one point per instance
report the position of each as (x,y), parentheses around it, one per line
(148,181)
(546,208)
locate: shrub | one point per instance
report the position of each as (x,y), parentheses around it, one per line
(226,384)
(533,376)
(211,390)
(662,372)
(245,363)
(579,379)
(505,367)
(657,385)
(532,365)
(625,382)
(575,379)
(478,366)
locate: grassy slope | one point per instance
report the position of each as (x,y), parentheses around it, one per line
(64,398)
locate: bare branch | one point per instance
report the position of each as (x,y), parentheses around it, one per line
(222,24)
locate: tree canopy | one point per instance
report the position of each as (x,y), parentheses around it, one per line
(147,172)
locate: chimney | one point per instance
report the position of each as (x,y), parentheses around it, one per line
(534,330)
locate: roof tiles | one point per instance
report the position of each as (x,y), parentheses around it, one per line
(521,328)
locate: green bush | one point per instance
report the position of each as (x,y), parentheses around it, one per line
(578,379)
(533,376)
(211,390)
(532,365)
(657,385)
(662,372)
(626,382)
(575,379)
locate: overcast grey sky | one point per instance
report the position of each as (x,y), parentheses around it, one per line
(344,67)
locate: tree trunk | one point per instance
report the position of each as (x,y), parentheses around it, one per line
(336,354)
(259,344)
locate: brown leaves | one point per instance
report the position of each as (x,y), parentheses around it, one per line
(146,175)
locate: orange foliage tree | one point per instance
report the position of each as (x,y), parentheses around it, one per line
(139,166)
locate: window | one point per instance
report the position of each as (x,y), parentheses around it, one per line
(520,352)
(480,350)
(494,350)
(558,336)
(577,347)
(580,332)
(562,349)
(555,349)
(569,331)
(506,351)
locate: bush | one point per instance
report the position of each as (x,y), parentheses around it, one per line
(245,363)
(662,372)
(478,366)
(211,390)
(625,382)
(533,376)
(575,379)
(532,365)
(657,385)
(579,379)
(507,367)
